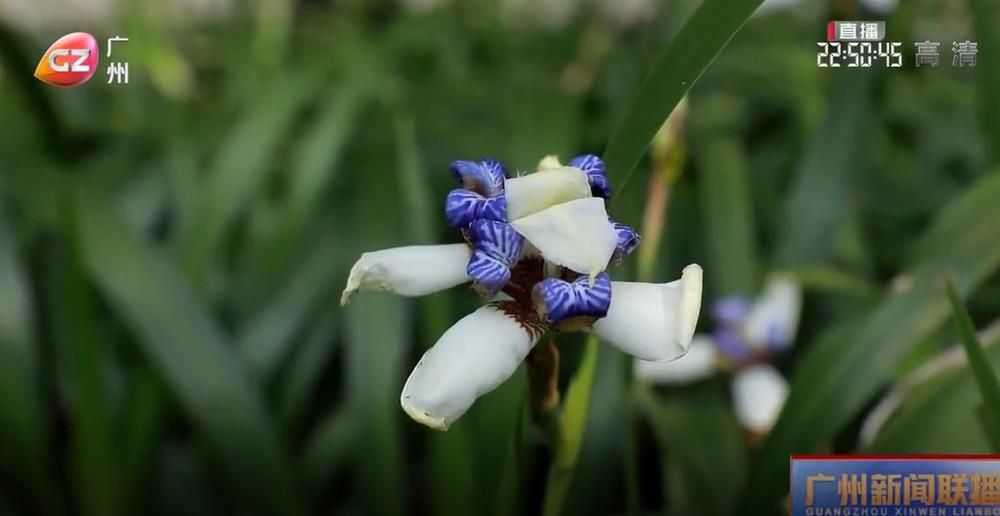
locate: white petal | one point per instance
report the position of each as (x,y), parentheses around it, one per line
(698,363)
(653,321)
(575,234)
(472,358)
(775,312)
(534,192)
(759,392)
(415,270)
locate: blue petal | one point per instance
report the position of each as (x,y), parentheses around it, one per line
(593,166)
(628,239)
(731,311)
(589,163)
(487,272)
(463,206)
(496,171)
(778,337)
(497,237)
(560,299)
(599,186)
(731,345)
(484,177)
(496,248)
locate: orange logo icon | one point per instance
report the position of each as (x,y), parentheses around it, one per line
(70,61)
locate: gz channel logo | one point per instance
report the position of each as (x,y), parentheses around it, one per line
(72,61)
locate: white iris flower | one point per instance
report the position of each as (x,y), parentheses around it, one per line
(537,247)
(747,339)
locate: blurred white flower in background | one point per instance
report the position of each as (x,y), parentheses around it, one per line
(747,339)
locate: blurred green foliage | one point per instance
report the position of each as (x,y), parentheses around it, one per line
(172,252)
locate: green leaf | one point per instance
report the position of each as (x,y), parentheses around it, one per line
(314,160)
(83,341)
(239,169)
(938,414)
(986,379)
(313,355)
(845,368)
(990,427)
(573,421)
(25,436)
(937,417)
(703,36)
(377,334)
(267,337)
(190,351)
(143,415)
(328,448)
(726,210)
(314,164)
(826,278)
(820,198)
(985,15)
(422,219)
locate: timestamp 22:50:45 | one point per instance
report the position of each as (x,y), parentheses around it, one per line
(859,54)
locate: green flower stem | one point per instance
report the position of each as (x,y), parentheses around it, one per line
(668,153)
(572,419)
(542,366)
(668,158)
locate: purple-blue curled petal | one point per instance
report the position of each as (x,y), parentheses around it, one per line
(462,206)
(628,239)
(562,299)
(597,176)
(599,186)
(494,208)
(487,271)
(496,247)
(485,177)
(589,163)
(731,311)
(498,237)
(496,171)
(731,345)
(557,299)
